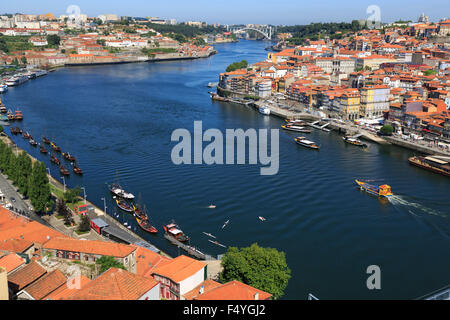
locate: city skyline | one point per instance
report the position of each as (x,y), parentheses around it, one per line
(283,12)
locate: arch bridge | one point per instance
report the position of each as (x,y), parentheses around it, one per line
(266,31)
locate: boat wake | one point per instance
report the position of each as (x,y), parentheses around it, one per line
(402,201)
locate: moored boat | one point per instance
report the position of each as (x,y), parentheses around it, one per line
(264,110)
(354,141)
(45,140)
(11,116)
(77,169)
(381,191)
(32,142)
(43,150)
(123,205)
(55,147)
(54,159)
(296,128)
(15,130)
(306,143)
(431,164)
(3,88)
(26,135)
(69,157)
(146,226)
(117,190)
(63,170)
(174,231)
(18,115)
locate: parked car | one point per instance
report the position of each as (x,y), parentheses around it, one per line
(12,199)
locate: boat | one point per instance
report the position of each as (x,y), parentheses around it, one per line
(217,243)
(225,224)
(11,116)
(211,206)
(381,191)
(27,136)
(63,170)
(296,128)
(69,157)
(262,219)
(77,169)
(212,84)
(117,190)
(54,159)
(15,130)
(296,122)
(122,204)
(15,81)
(209,235)
(55,147)
(3,88)
(3,109)
(264,110)
(40,73)
(18,115)
(431,164)
(354,141)
(45,140)
(43,150)
(32,142)
(146,226)
(306,143)
(174,231)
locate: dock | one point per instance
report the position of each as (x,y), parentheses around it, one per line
(193,251)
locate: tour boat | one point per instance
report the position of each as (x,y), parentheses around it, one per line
(45,140)
(3,108)
(54,159)
(173,230)
(431,164)
(264,110)
(381,191)
(69,157)
(122,204)
(117,190)
(354,142)
(296,128)
(146,226)
(296,122)
(3,88)
(33,143)
(43,150)
(18,115)
(63,170)
(77,169)
(55,147)
(15,81)
(306,143)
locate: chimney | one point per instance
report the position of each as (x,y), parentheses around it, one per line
(256,296)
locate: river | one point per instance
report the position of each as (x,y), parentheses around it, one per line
(118,119)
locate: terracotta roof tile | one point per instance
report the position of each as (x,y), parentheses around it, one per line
(46,285)
(207,285)
(11,262)
(180,268)
(21,278)
(15,245)
(234,290)
(66,291)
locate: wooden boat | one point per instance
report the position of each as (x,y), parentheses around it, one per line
(123,205)
(11,116)
(296,122)
(43,150)
(146,226)
(381,191)
(431,164)
(306,143)
(18,115)
(69,157)
(27,136)
(117,190)
(77,169)
(296,128)
(45,140)
(55,147)
(354,142)
(3,109)
(15,130)
(54,159)
(63,170)
(33,143)
(174,231)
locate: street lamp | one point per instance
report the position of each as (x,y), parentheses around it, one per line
(104,203)
(64,181)
(48,170)
(84,191)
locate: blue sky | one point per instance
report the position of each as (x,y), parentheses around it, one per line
(277,12)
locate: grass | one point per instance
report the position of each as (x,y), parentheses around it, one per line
(81,232)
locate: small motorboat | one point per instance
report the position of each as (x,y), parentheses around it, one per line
(174,231)
(27,136)
(77,169)
(209,235)
(211,206)
(225,224)
(32,142)
(43,150)
(262,219)
(55,147)
(355,142)
(54,159)
(381,191)
(264,111)
(63,170)
(69,157)
(45,140)
(123,205)
(306,143)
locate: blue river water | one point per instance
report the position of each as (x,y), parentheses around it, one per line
(118,120)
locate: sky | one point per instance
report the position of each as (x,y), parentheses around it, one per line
(275,12)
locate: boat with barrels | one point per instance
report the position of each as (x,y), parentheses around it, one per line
(63,170)
(146,226)
(69,157)
(55,147)
(172,230)
(54,159)
(26,135)
(15,130)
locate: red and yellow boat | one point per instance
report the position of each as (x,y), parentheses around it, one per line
(381,191)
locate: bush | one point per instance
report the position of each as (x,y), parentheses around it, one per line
(387,130)
(237,65)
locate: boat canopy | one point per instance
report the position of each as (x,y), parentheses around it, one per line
(307,141)
(175,231)
(436,160)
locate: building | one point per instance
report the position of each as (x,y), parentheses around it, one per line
(25,276)
(179,276)
(4,292)
(88,251)
(335,65)
(118,284)
(374,101)
(11,262)
(43,287)
(233,290)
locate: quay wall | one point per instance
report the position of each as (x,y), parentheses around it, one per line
(417,147)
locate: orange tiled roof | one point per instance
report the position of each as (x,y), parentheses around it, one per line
(207,285)
(146,260)
(11,262)
(115,284)
(90,246)
(15,245)
(180,268)
(234,290)
(65,291)
(23,277)
(46,285)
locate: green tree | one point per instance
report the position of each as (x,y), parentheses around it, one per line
(263,268)
(106,262)
(237,65)
(430,72)
(24,60)
(387,129)
(39,188)
(71,195)
(53,39)
(85,224)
